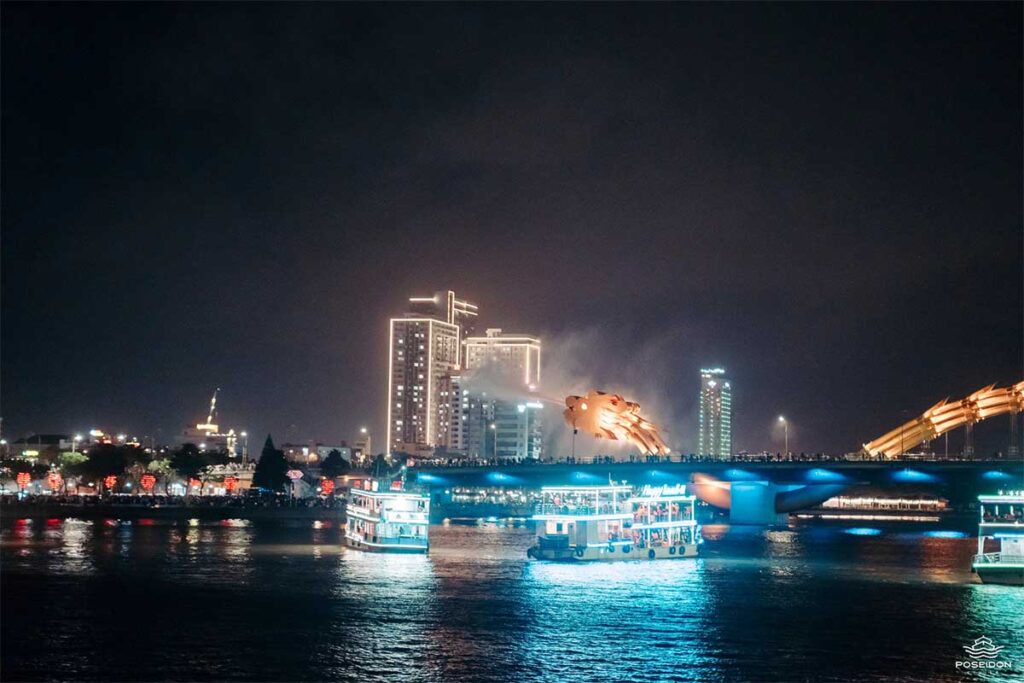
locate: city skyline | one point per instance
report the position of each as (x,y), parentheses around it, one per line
(810,240)
(434,310)
(511,342)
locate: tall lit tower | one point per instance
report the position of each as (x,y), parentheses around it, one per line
(506,426)
(424,346)
(715,435)
(515,356)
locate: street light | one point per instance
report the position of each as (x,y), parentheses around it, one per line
(785,428)
(245,447)
(74,443)
(494,429)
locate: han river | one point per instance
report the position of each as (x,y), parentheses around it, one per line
(166,601)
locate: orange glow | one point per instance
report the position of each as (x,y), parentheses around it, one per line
(613,417)
(23,479)
(148,481)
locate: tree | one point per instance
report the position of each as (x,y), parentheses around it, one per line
(381,468)
(162,468)
(334,465)
(71,463)
(188,462)
(271,468)
(104,459)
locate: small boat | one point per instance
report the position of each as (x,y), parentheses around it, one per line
(383,517)
(1001,532)
(608,523)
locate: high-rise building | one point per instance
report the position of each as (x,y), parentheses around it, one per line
(447,307)
(424,347)
(715,427)
(506,424)
(515,356)
(453,404)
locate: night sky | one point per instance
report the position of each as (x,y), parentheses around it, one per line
(824,199)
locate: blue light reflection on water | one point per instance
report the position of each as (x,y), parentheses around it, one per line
(285,603)
(942,533)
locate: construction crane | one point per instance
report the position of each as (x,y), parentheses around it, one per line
(209,425)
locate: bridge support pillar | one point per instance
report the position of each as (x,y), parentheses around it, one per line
(753,502)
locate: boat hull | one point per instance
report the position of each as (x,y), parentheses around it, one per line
(357,544)
(612,553)
(1004,576)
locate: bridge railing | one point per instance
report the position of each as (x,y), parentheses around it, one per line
(740,459)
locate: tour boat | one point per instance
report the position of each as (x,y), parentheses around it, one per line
(607,523)
(382,517)
(1001,523)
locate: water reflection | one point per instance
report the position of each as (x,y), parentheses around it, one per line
(284,602)
(998,613)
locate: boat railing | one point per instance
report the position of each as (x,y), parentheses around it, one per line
(988,558)
(577,510)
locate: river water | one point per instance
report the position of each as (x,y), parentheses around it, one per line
(150,600)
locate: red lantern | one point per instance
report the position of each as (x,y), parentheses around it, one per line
(194,483)
(110,481)
(230,484)
(327,486)
(55,480)
(148,481)
(23,479)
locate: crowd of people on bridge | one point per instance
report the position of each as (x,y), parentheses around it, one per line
(459,462)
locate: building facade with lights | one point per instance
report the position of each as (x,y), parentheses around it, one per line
(509,426)
(424,347)
(715,420)
(516,357)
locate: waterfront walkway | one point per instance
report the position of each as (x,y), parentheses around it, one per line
(171,507)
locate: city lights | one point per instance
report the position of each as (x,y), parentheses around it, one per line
(699,324)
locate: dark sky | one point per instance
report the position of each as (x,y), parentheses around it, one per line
(825,199)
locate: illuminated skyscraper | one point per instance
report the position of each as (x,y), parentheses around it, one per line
(715,435)
(507,423)
(424,347)
(516,357)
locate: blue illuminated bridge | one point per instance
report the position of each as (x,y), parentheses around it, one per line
(755,493)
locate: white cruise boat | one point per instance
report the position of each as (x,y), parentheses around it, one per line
(608,523)
(1001,532)
(382,518)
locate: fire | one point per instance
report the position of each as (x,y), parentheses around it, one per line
(609,416)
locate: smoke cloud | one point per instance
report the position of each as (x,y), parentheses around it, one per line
(642,370)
